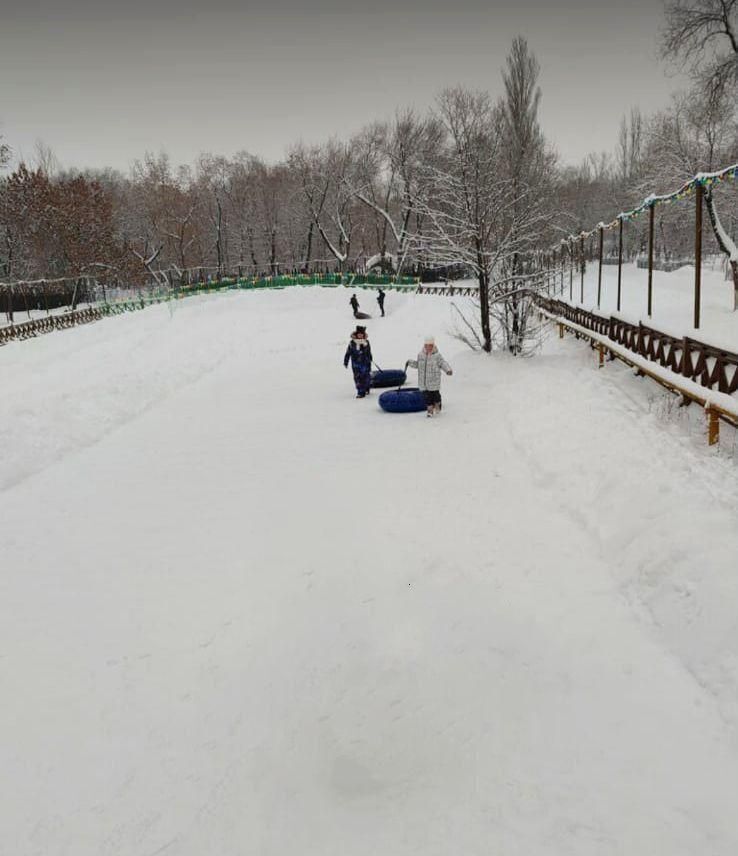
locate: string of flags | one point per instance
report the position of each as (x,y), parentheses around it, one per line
(705,179)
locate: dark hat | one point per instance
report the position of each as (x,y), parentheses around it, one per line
(360,329)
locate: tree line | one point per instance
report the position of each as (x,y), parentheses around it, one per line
(471,185)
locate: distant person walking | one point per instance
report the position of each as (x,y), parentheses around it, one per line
(430,364)
(354,304)
(380,301)
(359,352)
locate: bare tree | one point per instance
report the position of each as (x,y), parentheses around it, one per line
(391,178)
(704,35)
(144,227)
(272,192)
(468,205)
(181,221)
(44,158)
(6,253)
(5,154)
(528,164)
(240,192)
(212,181)
(324,174)
(629,150)
(24,199)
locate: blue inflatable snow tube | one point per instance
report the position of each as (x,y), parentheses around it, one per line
(388,377)
(409,400)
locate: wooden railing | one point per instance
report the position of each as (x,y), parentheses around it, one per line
(693,370)
(449,290)
(62,321)
(711,367)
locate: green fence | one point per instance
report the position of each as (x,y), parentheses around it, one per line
(331,280)
(34,327)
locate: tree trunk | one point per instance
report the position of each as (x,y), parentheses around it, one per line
(515,341)
(725,242)
(309,249)
(484,305)
(273,253)
(218,243)
(252,252)
(9,247)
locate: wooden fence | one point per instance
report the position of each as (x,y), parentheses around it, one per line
(693,370)
(449,290)
(29,329)
(709,366)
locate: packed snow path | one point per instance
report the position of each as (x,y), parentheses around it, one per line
(245,613)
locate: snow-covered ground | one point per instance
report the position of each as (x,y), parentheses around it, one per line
(245,613)
(673,300)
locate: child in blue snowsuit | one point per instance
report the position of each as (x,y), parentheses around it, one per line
(359,351)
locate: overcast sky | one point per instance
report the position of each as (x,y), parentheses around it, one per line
(102,82)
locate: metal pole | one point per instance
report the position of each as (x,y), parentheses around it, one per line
(553,272)
(571,269)
(561,260)
(581,268)
(620,259)
(698,254)
(651,214)
(544,271)
(599,271)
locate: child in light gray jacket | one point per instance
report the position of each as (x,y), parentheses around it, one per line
(430,364)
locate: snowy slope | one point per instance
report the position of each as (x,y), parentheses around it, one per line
(245,613)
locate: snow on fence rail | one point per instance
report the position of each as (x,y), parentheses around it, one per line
(695,370)
(686,367)
(711,367)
